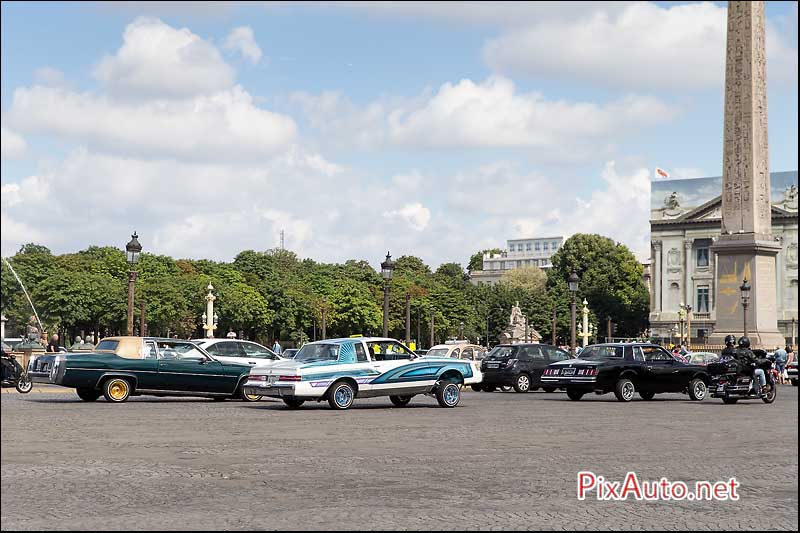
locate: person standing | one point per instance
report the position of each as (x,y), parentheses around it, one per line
(276,347)
(780,363)
(52,346)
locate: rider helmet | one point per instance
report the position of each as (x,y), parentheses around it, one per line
(730,340)
(744,342)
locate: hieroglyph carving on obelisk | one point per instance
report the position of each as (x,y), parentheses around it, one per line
(745,173)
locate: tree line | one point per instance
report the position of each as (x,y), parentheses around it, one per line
(276,294)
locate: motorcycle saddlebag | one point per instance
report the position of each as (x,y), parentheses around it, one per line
(722,367)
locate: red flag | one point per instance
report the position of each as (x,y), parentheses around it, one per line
(662,173)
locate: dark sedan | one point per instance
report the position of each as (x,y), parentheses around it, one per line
(625,369)
(519,366)
(121,367)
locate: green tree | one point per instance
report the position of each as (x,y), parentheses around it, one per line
(476,259)
(610,279)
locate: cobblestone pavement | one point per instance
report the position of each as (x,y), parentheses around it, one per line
(499,461)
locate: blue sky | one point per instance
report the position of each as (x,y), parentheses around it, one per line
(432,129)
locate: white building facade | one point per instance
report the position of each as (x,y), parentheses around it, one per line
(518,253)
(685,220)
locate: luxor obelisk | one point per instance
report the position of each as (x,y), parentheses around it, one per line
(746,248)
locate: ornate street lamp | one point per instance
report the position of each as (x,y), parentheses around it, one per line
(573,280)
(681,319)
(387,271)
(745,290)
(132,251)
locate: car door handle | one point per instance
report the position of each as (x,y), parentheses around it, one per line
(649,367)
(251,362)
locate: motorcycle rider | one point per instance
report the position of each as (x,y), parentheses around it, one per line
(730,348)
(749,365)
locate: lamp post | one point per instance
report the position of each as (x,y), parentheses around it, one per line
(745,290)
(408,318)
(387,271)
(689,327)
(555,326)
(461,331)
(608,329)
(585,333)
(323,325)
(210,318)
(432,330)
(681,319)
(132,251)
(573,280)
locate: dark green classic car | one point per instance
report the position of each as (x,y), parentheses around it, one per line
(121,367)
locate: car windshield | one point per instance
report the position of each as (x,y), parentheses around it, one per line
(437,352)
(601,352)
(318,352)
(502,352)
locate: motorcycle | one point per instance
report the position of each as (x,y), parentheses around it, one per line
(728,383)
(14,375)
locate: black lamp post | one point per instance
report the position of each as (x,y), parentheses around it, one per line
(132,251)
(573,281)
(387,271)
(745,290)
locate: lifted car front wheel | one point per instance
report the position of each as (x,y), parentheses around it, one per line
(624,390)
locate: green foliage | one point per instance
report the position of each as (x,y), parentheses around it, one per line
(611,280)
(476,259)
(273,294)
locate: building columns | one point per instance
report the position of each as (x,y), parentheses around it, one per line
(687,275)
(657,275)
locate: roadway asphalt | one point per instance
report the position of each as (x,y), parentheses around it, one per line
(499,461)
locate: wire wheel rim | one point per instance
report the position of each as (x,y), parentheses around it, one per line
(628,390)
(343,396)
(118,389)
(700,390)
(450,394)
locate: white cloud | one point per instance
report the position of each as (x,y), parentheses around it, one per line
(620,210)
(415,215)
(224,125)
(158,60)
(489,114)
(241,40)
(641,45)
(50,77)
(12,145)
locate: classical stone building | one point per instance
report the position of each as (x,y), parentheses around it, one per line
(685,220)
(519,252)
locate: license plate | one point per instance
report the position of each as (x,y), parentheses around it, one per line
(721,388)
(569,371)
(493,365)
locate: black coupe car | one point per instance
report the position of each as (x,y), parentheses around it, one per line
(625,369)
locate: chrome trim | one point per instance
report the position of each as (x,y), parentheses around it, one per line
(111,370)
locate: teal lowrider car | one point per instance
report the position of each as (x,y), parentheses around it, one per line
(121,367)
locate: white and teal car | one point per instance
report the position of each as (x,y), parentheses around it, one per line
(341,370)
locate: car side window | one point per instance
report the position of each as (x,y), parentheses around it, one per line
(467,353)
(456,352)
(230,349)
(361,354)
(654,354)
(254,350)
(637,354)
(389,351)
(179,350)
(213,349)
(150,350)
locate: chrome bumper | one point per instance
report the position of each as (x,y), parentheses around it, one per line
(268,389)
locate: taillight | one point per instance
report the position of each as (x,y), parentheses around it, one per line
(288,378)
(258,378)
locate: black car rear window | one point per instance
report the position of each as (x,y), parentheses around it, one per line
(601,352)
(502,352)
